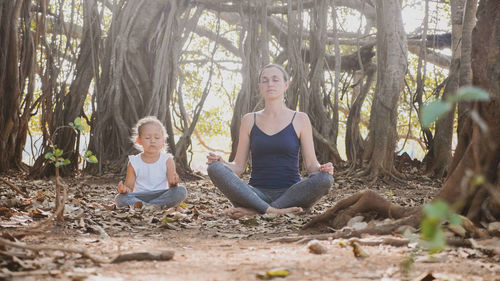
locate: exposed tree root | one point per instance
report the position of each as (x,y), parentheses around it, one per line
(347,172)
(346,233)
(385,240)
(363,173)
(398,176)
(361,202)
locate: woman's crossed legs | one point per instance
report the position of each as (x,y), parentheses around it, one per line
(248,200)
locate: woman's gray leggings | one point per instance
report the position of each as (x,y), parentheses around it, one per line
(165,197)
(302,194)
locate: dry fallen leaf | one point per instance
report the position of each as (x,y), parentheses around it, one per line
(342,243)
(249,222)
(273,273)
(358,251)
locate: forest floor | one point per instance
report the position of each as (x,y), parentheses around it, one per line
(207,244)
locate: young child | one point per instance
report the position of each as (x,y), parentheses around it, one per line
(151,176)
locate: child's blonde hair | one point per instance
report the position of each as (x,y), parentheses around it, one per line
(136,130)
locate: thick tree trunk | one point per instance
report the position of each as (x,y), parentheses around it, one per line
(13,130)
(139,76)
(126,87)
(253,59)
(392,62)
(478,152)
(465,60)
(354,143)
(472,188)
(314,104)
(296,66)
(65,137)
(439,156)
(27,78)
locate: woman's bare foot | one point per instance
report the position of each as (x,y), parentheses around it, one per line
(236,213)
(283,211)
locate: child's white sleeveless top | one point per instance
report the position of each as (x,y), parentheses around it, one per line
(150,176)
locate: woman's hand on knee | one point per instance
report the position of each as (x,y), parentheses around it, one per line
(327,167)
(212,157)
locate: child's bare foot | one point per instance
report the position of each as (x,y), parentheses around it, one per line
(283,211)
(236,213)
(138,205)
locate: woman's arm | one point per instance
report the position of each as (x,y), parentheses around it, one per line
(172,176)
(239,164)
(307,146)
(129,181)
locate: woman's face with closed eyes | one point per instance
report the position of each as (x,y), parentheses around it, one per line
(272,83)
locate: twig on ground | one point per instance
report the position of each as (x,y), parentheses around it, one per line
(57,212)
(18,255)
(159,255)
(12,186)
(82,252)
(6,274)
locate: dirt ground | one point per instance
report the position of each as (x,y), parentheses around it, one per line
(207,244)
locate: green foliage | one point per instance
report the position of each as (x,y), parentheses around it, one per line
(432,111)
(90,157)
(470,94)
(438,212)
(55,155)
(431,230)
(78,124)
(478,180)
(435,109)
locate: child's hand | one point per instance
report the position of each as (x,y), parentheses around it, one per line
(122,188)
(174,181)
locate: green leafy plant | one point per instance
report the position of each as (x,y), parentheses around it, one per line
(90,157)
(431,237)
(78,124)
(439,212)
(431,226)
(433,110)
(55,156)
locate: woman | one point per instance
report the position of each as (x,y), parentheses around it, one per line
(274,137)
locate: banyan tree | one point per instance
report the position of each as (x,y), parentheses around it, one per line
(115,62)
